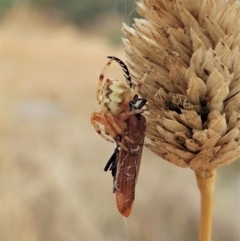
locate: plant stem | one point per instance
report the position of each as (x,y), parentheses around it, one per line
(206,182)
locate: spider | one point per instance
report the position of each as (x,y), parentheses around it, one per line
(114,97)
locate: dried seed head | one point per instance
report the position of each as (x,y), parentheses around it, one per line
(193,90)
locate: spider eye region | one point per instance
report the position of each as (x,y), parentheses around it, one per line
(113,95)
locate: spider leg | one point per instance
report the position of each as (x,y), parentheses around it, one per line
(124,68)
(117,128)
(121,123)
(120,144)
(94,120)
(110,129)
(125,115)
(101,77)
(97,117)
(136,89)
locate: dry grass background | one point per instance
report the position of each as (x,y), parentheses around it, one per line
(51,160)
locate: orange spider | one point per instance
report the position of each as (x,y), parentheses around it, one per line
(114,97)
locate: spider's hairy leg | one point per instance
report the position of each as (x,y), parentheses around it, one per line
(124,68)
(121,123)
(116,127)
(136,89)
(99,118)
(121,145)
(101,77)
(96,118)
(126,115)
(112,132)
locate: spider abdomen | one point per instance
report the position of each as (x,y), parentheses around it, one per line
(113,95)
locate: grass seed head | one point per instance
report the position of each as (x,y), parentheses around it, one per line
(193,90)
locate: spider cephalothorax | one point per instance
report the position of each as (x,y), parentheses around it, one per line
(114,97)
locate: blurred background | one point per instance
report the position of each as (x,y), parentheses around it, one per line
(53,186)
